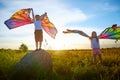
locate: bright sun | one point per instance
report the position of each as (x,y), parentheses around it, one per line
(58,43)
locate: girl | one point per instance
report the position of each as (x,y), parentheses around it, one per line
(94,42)
(95,46)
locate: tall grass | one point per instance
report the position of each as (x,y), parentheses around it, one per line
(67,65)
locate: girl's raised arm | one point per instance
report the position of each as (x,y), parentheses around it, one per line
(77,31)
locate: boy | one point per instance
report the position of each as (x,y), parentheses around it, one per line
(37,19)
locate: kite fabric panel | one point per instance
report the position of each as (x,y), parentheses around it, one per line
(76,31)
(111,33)
(18,19)
(49,27)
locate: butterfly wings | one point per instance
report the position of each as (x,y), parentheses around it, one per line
(49,27)
(18,19)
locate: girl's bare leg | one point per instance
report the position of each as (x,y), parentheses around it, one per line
(94,59)
(100,57)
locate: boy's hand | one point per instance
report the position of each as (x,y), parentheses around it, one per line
(30,9)
(45,14)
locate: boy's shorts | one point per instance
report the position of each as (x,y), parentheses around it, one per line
(96,51)
(38,35)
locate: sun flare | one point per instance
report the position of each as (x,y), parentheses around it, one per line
(58,45)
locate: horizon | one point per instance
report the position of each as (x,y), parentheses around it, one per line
(114,47)
(63,49)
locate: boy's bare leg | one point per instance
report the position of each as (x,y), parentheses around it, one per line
(36,45)
(40,44)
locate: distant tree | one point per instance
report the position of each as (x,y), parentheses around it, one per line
(23,48)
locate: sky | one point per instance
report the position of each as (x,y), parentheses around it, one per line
(85,15)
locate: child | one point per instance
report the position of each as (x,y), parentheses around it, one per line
(37,19)
(95,46)
(94,42)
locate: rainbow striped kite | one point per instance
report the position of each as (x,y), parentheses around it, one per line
(18,19)
(22,17)
(110,33)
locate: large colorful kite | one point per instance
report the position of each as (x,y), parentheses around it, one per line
(22,17)
(109,33)
(18,19)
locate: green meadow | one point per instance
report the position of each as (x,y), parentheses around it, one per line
(67,65)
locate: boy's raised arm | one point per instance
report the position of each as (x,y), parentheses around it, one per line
(33,15)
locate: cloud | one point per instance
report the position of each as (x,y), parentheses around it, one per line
(108,7)
(105,6)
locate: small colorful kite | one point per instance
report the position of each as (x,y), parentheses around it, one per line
(18,19)
(49,27)
(109,33)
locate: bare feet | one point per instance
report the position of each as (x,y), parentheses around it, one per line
(39,49)
(36,50)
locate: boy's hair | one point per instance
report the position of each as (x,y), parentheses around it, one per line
(37,15)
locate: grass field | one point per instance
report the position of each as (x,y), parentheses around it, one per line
(68,65)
